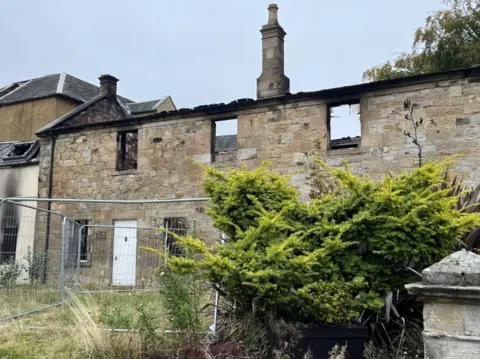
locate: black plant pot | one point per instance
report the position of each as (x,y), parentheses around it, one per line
(321,339)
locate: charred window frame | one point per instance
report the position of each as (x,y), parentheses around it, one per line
(177,225)
(344,130)
(8,245)
(127,150)
(224,140)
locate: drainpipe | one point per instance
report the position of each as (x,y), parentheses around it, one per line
(49,208)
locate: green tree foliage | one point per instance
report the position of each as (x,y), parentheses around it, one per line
(328,260)
(233,194)
(449,39)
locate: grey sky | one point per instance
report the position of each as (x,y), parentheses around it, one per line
(202,51)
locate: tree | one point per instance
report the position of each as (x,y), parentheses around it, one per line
(449,39)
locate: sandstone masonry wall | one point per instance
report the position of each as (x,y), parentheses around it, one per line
(289,135)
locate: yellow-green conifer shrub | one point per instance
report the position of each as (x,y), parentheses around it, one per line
(326,261)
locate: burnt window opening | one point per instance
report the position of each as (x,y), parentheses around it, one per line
(343,125)
(84,245)
(127,150)
(8,245)
(224,140)
(177,225)
(20,150)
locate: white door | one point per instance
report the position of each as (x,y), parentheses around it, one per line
(124,253)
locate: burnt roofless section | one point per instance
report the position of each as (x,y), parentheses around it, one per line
(248,103)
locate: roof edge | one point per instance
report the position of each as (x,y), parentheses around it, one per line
(242,104)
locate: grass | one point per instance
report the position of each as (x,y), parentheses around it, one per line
(22,298)
(77,329)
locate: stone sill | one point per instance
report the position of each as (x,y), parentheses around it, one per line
(348,151)
(85,264)
(125,173)
(225,163)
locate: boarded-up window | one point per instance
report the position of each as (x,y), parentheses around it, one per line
(127,150)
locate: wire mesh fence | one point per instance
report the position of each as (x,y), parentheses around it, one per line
(31,269)
(52,248)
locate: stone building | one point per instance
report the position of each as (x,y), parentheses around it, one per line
(26,106)
(102,152)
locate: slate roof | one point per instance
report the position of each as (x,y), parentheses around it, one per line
(27,153)
(147,106)
(226,143)
(58,84)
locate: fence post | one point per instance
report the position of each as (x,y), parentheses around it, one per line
(450,290)
(62,262)
(79,252)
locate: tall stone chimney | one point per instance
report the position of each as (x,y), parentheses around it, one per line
(108,85)
(272,82)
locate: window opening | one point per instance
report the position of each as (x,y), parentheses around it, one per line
(84,245)
(177,225)
(224,140)
(8,245)
(344,125)
(127,147)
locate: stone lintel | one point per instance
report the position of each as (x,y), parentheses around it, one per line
(444,293)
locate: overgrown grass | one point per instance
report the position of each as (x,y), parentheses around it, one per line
(78,329)
(22,298)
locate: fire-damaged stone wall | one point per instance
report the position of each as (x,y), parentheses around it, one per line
(290,132)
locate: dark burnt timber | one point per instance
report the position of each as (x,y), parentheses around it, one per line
(246,104)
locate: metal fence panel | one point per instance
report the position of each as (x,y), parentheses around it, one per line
(88,245)
(30,270)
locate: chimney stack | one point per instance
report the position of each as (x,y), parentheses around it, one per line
(108,85)
(272,82)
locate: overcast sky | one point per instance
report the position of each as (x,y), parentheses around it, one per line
(202,52)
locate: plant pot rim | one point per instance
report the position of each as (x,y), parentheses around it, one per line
(335,331)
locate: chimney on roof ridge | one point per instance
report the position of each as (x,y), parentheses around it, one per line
(108,85)
(272,82)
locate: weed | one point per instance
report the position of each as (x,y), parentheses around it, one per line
(9,273)
(34,265)
(113,317)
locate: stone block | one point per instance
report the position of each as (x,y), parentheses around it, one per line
(69,163)
(287,138)
(300,158)
(203,158)
(247,153)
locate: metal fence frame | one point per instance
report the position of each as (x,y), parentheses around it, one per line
(61,279)
(65,220)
